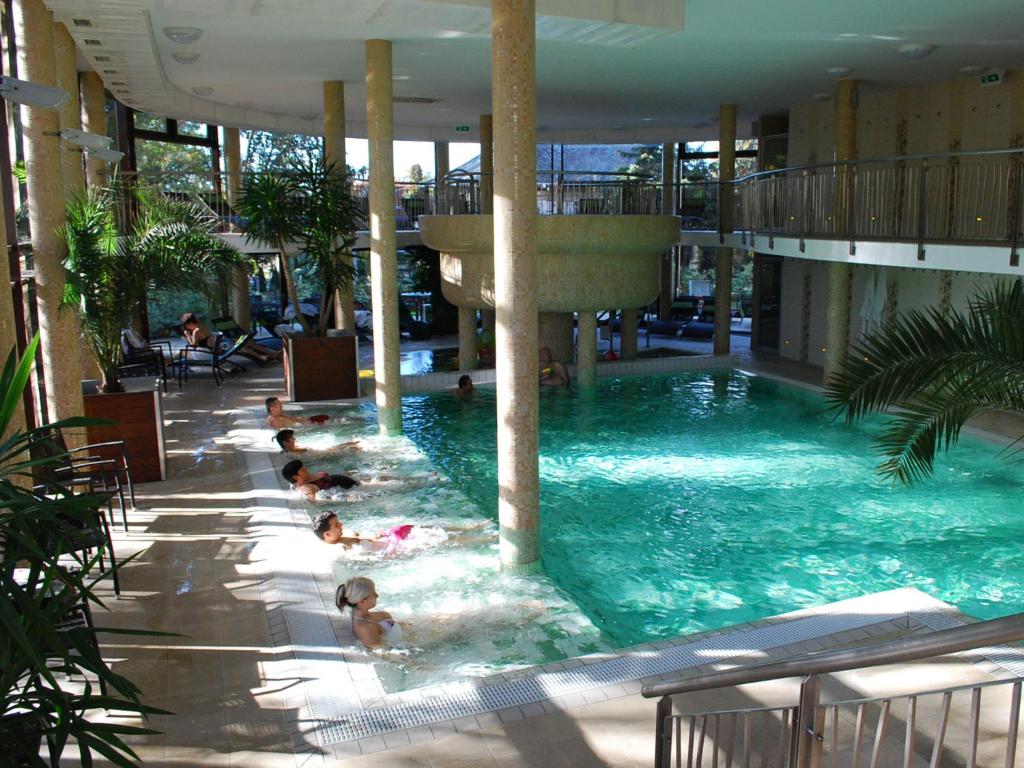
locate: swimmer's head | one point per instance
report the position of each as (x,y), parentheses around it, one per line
(286,439)
(357,592)
(465,383)
(291,471)
(544,354)
(327,527)
(273,404)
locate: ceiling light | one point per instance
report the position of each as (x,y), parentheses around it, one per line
(105,154)
(92,41)
(915,51)
(83,139)
(101,58)
(972,69)
(202,90)
(183,35)
(32,95)
(840,72)
(413,100)
(82,22)
(822,97)
(185,57)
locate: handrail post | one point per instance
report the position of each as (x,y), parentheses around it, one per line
(922,210)
(809,724)
(663,734)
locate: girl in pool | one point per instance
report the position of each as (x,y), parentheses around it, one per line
(374,629)
(286,439)
(395,539)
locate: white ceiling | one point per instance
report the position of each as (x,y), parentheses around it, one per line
(607,70)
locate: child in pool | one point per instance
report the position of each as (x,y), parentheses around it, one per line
(278,419)
(329,529)
(374,629)
(286,439)
(310,484)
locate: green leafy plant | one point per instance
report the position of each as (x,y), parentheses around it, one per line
(939,370)
(309,209)
(44,577)
(167,243)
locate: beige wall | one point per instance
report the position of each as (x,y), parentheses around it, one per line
(936,115)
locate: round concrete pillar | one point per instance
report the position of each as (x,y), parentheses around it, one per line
(71,112)
(514,95)
(383,253)
(59,334)
(627,333)
(441,168)
(554,331)
(723,256)
(334,152)
(94,116)
(468,359)
(586,350)
(240,307)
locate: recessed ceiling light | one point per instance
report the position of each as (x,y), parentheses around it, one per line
(840,72)
(822,97)
(972,69)
(185,57)
(915,51)
(183,35)
(202,90)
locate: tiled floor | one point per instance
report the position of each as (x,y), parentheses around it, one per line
(231,683)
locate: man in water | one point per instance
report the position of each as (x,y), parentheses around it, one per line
(552,372)
(309,484)
(465,389)
(278,419)
(286,439)
(329,529)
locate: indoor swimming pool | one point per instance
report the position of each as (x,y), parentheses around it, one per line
(669,505)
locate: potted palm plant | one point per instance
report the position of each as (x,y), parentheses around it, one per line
(45,578)
(111,262)
(309,215)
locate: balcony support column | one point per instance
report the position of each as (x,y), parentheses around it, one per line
(486,164)
(586,349)
(383,237)
(468,358)
(95,121)
(240,307)
(514,43)
(334,152)
(441,167)
(59,332)
(70,113)
(668,208)
(627,333)
(723,256)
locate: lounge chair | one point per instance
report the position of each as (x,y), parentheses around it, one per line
(215,356)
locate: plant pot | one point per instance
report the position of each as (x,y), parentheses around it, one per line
(21,737)
(321,368)
(140,424)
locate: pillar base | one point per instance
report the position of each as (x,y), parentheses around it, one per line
(520,550)
(389,421)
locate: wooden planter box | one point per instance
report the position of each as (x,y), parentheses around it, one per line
(321,368)
(140,424)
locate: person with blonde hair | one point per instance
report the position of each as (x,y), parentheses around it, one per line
(374,629)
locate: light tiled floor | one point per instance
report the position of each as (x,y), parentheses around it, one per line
(229,683)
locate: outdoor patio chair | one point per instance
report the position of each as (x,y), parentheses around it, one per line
(215,356)
(144,358)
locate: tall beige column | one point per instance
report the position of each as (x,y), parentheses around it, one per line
(468,357)
(627,333)
(723,256)
(486,163)
(668,207)
(59,333)
(586,350)
(70,113)
(240,308)
(8,337)
(383,253)
(514,94)
(441,168)
(334,152)
(94,120)
(554,331)
(837,311)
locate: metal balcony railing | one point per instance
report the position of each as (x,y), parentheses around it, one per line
(797,736)
(955,197)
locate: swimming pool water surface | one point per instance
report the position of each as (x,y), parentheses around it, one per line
(686,502)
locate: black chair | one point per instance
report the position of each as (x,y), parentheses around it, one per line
(214,356)
(144,358)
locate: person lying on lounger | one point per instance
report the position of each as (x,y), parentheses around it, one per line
(278,419)
(286,439)
(393,540)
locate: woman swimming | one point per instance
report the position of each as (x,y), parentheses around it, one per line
(374,629)
(329,529)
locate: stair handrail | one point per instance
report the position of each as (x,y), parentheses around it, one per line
(993,631)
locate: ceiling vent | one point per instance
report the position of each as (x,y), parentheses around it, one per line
(82,23)
(92,41)
(101,58)
(414,100)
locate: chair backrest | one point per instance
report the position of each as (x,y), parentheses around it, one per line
(227,325)
(233,349)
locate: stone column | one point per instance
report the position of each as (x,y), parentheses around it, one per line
(468,359)
(240,308)
(94,116)
(70,113)
(383,253)
(441,168)
(488,322)
(334,152)
(59,332)
(627,333)
(486,163)
(8,335)
(837,311)
(586,350)
(723,256)
(514,94)
(554,330)
(668,208)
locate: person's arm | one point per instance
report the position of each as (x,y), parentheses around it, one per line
(562,373)
(368,633)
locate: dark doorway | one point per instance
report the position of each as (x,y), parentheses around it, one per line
(767,302)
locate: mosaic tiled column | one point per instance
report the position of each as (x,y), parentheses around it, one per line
(627,333)
(668,207)
(586,350)
(515,279)
(723,256)
(837,311)
(240,308)
(95,121)
(468,359)
(58,331)
(383,254)
(334,152)
(8,337)
(555,331)
(71,112)
(441,168)
(486,163)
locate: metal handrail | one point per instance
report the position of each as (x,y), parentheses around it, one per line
(994,631)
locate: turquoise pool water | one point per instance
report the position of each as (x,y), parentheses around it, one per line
(685,502)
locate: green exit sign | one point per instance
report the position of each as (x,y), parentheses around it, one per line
(462,128)
(991,78)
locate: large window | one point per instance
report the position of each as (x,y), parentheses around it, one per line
(698,160)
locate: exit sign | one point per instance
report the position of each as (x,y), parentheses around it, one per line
(462,128)
(995,77)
